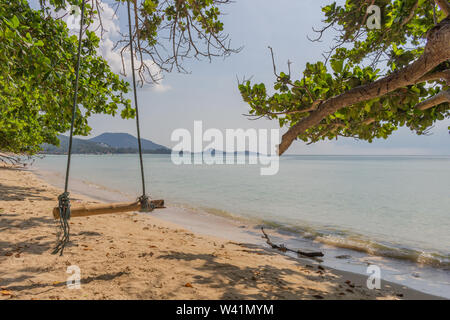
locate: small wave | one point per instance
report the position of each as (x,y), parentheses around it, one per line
(347,240)
(342,239)
(97,186)
(375,248)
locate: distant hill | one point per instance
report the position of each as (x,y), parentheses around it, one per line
(125,140)
(105,143)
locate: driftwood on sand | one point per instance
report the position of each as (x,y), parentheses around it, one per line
(283,248)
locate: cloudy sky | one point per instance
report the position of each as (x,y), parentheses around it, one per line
(209,93)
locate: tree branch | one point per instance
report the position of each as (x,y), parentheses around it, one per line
(15,160)
(444,5)
(368,121)
(441,97)
(282,248)
(411,14)
(439,75)
(436,51)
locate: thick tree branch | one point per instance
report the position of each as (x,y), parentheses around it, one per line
(444,5)
(436,51)
(439,75)
(441,97)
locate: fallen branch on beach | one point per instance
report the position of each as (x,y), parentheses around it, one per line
(15,160)
(283,248)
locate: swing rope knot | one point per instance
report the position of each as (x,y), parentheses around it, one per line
(64,217)
(146,204)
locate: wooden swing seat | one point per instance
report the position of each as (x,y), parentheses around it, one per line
(84,210)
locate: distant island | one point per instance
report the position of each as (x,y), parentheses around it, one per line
(120,143)
(212,152)
(106,143)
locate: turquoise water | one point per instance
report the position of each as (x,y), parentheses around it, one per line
(394,206)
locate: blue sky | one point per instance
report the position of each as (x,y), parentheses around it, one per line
(210,92)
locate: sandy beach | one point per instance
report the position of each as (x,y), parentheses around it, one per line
(137,256)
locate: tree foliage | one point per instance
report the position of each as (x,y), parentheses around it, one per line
(37,61)
(166,32)
(372,80)
(169,31)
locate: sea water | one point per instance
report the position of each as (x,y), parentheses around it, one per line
(387,206)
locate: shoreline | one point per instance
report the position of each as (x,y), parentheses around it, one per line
(405,273)
(252,271)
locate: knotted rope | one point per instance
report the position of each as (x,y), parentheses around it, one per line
(64,201)
(146,204)
(64,216)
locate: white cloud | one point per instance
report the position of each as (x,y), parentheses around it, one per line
(109,21)
(108,30)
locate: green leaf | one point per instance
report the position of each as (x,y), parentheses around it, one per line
(15,22)
(337,65)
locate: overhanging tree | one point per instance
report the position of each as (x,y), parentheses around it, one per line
(372,80)
(37,61)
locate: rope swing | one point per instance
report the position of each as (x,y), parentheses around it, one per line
(144,200)
(63,199)
(64,211)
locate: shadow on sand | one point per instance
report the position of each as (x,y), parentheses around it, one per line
(230,277)
(16,193)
